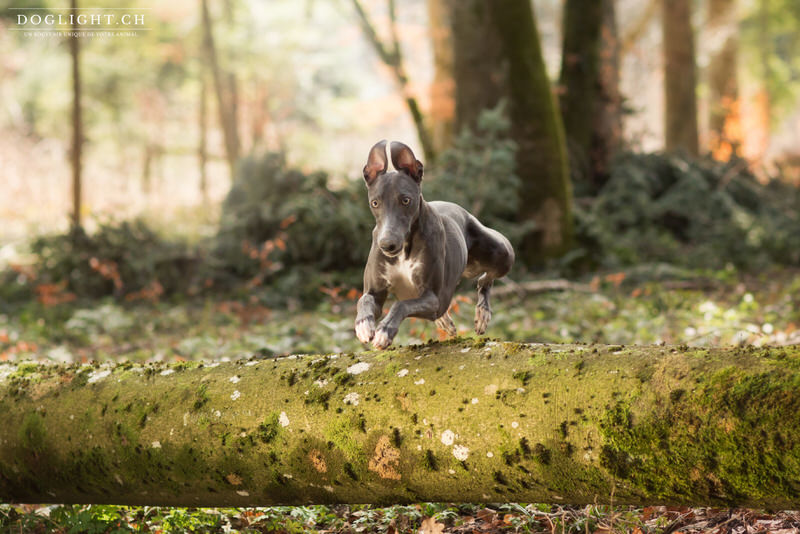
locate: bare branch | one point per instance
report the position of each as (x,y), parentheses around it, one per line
(372,36)
(392,56)
(639,27)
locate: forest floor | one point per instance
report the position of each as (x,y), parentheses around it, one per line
(640,306)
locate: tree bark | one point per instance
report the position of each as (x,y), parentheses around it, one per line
(480,80)
(607,118)
(459,421)
(546,191)
(442,92)
(202,149)
(680,110)
(224,105)
(77,123)
(579,81)
(725,135)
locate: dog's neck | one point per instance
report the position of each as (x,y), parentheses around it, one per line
(423,217)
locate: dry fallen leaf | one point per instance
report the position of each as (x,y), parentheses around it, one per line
(486,515)
(233,479)
(430,526)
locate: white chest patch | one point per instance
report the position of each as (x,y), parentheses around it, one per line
(400,278)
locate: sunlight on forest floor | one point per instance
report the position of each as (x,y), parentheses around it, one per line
(757,310)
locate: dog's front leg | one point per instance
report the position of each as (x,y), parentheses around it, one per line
(368,309)
(424,306)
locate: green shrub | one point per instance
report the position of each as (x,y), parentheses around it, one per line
(478,173)
(123,259)
(697,213)
(283,227)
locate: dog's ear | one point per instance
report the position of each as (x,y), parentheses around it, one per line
(403,160)
(376,162)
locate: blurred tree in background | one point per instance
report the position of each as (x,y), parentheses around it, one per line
(77,124)
(579,82)
(442,89)
(169,114)
(680,78)
(497,56)
(607,138)
(545,190)
(724,124)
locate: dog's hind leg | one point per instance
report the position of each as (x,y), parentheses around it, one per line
(445,323)
(483,311)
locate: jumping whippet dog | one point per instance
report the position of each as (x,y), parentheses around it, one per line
(420,251)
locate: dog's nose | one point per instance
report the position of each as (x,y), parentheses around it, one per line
(389,247)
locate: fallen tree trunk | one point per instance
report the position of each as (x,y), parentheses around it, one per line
(462,421)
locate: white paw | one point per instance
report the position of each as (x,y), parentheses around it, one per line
(445,323)
(482,318)
(365,330)
(381,339)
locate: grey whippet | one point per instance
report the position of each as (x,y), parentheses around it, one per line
(420,251)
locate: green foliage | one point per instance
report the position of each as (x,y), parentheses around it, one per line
(667,208)
(770,38)
(280,223)
(478,173)
(118,259)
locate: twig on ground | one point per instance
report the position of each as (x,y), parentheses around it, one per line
(539,286)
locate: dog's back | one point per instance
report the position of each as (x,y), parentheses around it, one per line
(487,250)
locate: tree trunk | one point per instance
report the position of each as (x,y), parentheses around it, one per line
(579,81)
(471,421)
(258,114)
(202,149)
(77,122)
(223,104)
(147,168)
(442,92)
(680,110)
(546,192)
(607,122)
(233,109)
(480,81)
(725,135)
(765,39)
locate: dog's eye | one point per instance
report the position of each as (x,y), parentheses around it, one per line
(406,201)
(374,203)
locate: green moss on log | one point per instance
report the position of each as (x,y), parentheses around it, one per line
(507,422)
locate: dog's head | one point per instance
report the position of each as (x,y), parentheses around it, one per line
(394,197)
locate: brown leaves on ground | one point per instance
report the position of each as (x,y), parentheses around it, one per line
(435,519)
(430,526)
(721,521)
(608,520)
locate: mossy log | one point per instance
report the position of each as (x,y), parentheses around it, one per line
(469,420)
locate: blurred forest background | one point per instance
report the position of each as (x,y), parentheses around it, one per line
(216,152)
(194,190)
